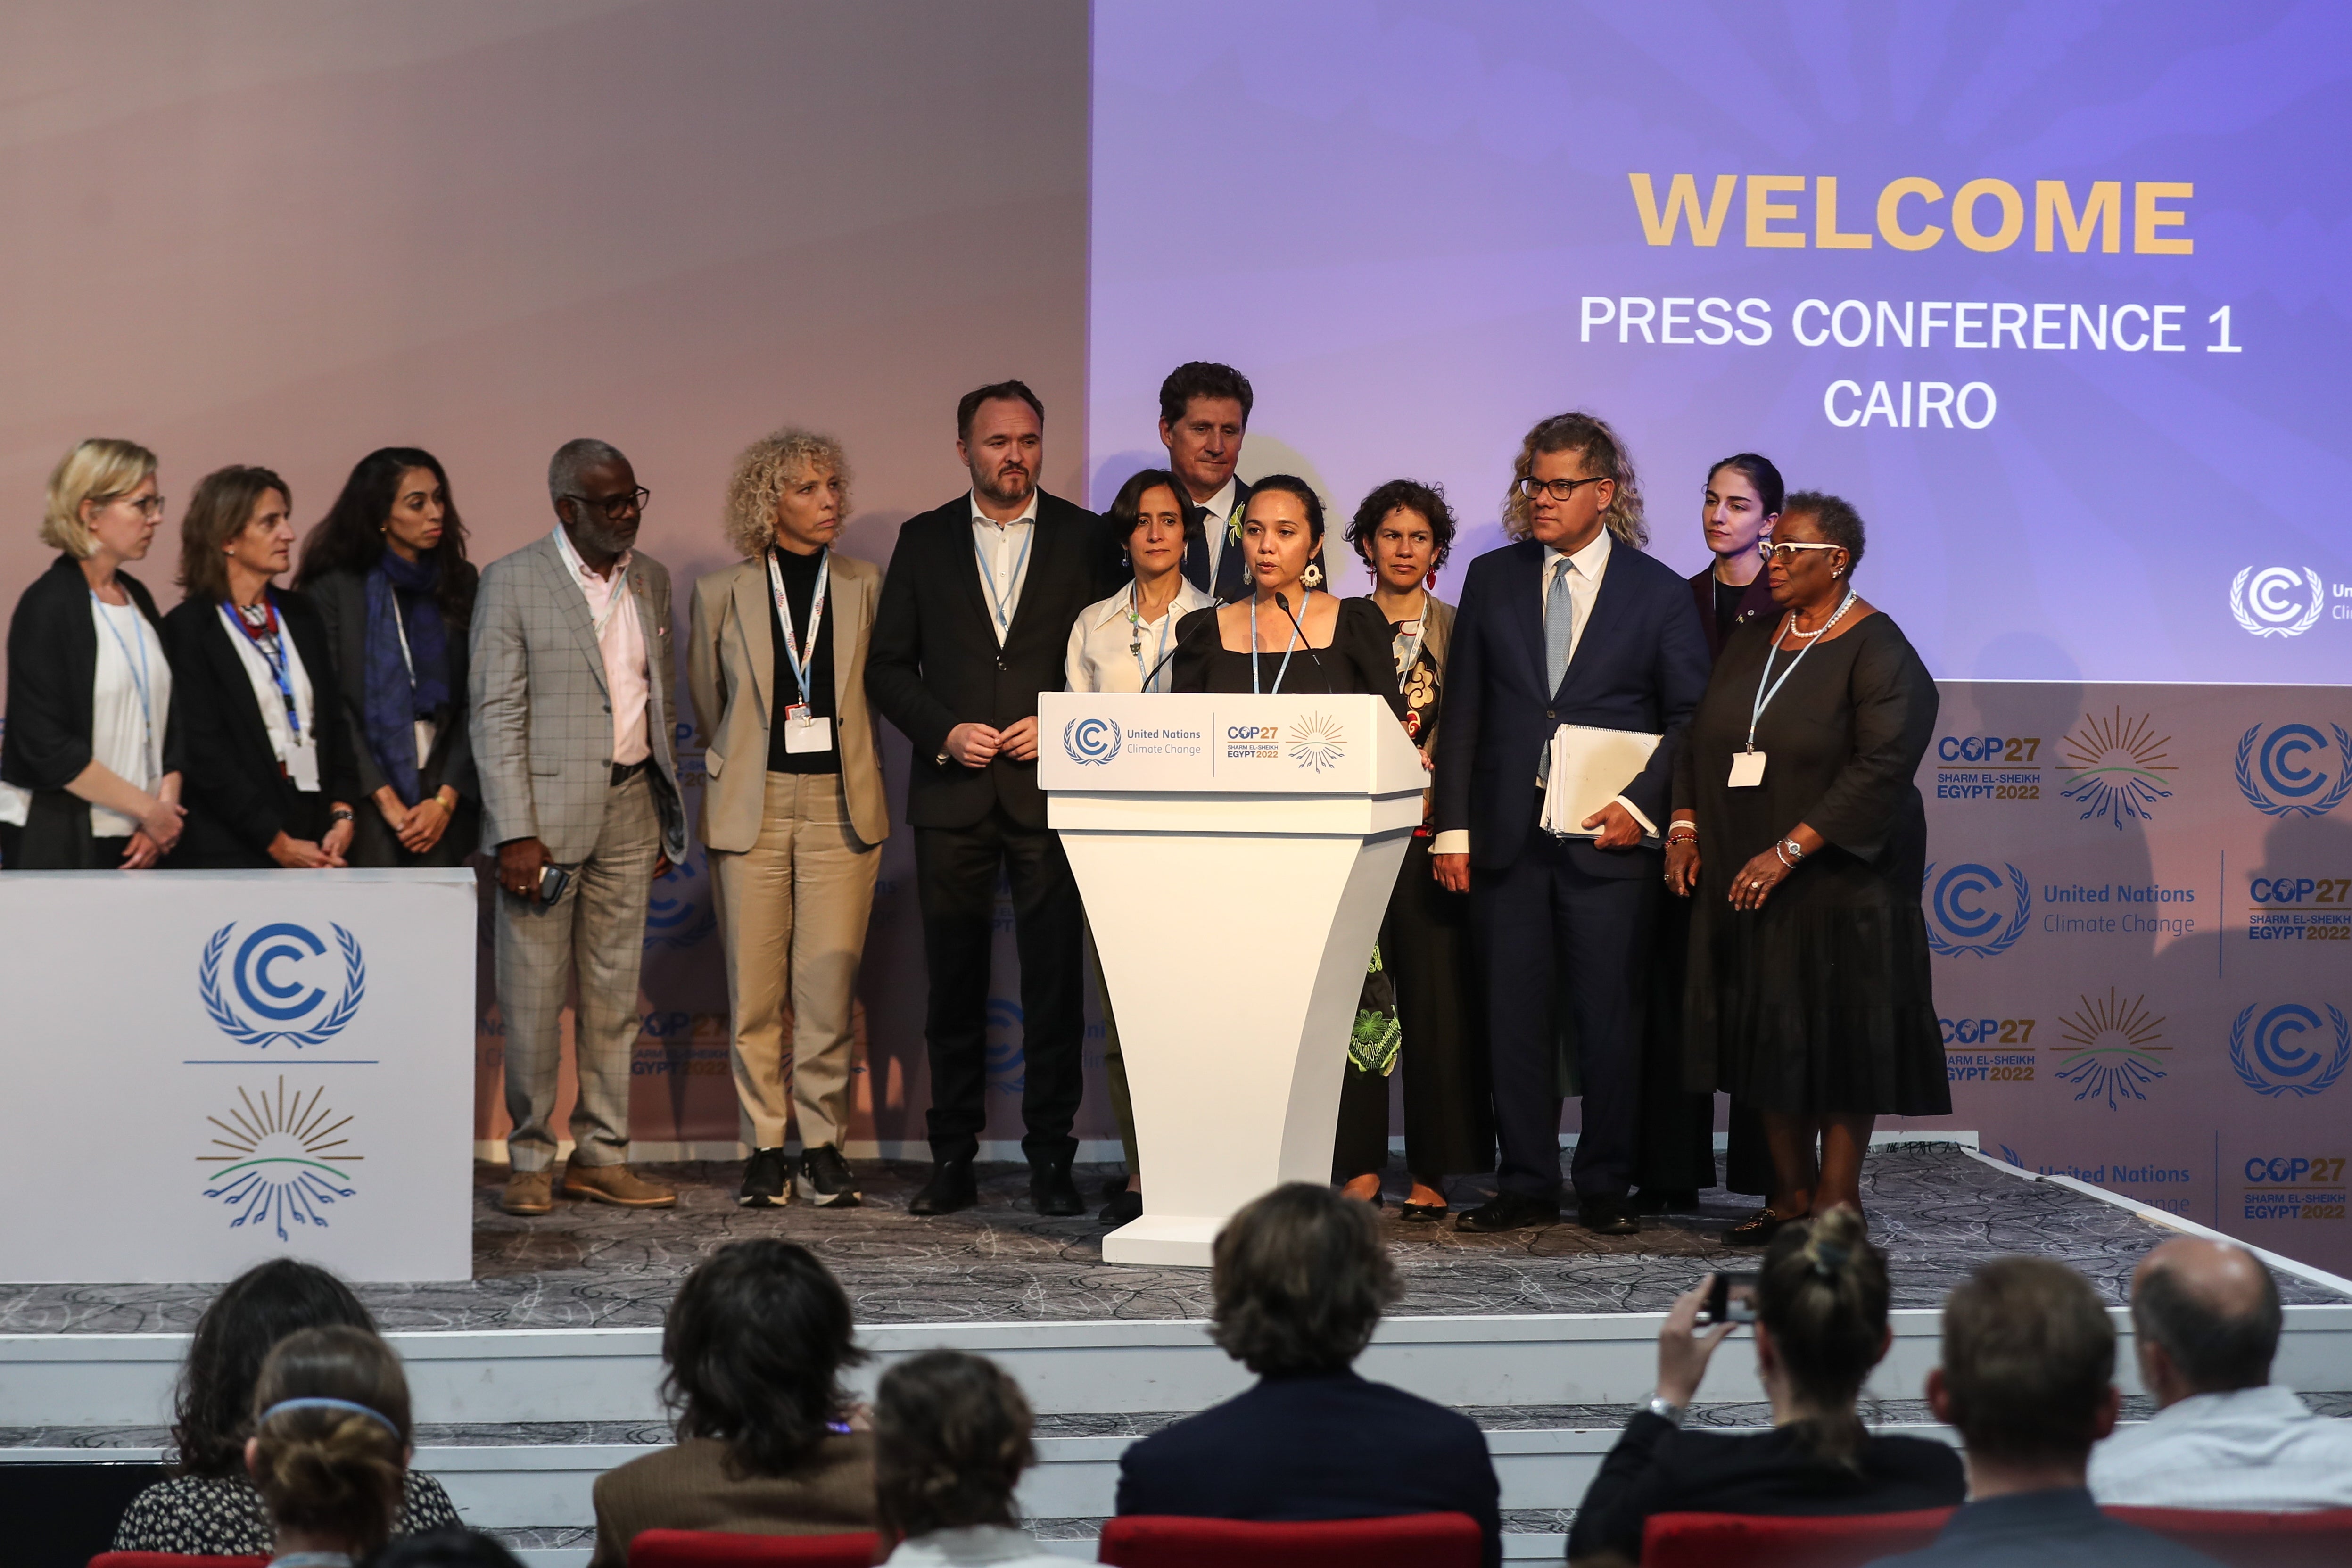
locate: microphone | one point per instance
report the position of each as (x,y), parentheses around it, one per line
(1214,603)
(1283,604)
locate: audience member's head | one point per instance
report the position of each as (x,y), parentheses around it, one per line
(330,1439)
(451,1548)
(950,1440)
(756,1341)
(1820,1308)
(2029,1364)
(214,1411)
(2206,1317)
(1300,1280)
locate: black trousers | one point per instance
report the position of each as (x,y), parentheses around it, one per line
(956,873)
(1551,935)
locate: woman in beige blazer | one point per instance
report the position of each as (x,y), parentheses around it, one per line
(793,813)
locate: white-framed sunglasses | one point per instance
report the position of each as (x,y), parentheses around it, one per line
(1786,550)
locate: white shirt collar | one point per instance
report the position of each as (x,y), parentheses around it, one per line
(1028,514)
(1589,561)
(1221,505)
(1188,599)
(579,568)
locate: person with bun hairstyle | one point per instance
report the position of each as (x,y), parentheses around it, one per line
(1821,1302)
(950,1440)
(211,1507)
(331,1445)
(768,1441)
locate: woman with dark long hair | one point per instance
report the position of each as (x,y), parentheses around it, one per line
(387,569)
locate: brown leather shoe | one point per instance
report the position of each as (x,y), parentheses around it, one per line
(615,1185)
(529,1192)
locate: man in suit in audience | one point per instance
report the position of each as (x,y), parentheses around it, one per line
(1572,624)
(974,619)
(1204,409)
(572,676)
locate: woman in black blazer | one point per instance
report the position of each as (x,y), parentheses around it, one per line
(91,757)
(386,570)
(269,772)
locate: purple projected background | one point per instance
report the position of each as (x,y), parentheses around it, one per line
(1413,224)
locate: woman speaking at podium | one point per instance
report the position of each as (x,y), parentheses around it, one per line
(1286,638)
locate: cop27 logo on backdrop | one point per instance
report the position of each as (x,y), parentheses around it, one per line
(1091,740)
(2277,601)
(2273,778)
(289,1007)
(2270,1057)
(1959,920)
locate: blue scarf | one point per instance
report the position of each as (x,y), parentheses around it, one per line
(393,707)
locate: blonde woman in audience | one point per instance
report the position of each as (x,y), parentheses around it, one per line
(331,1446)
(950,1440)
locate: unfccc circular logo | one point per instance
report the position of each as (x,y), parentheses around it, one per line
(2270,1058)
(1959,919)
(1091,740)
(269,977)
(2287,772)
(2277,601)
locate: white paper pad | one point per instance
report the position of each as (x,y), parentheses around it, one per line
(1589,769)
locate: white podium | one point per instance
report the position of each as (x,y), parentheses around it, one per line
(1235,855)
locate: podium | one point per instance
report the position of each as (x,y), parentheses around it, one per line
(1236,853)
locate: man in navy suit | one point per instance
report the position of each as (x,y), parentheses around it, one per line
(1570,625)
(1204,409)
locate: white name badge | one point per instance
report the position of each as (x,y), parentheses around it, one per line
(1747,770)
(803,733)
(302,765)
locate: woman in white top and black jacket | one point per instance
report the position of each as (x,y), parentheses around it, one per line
(269,779)
(92,759)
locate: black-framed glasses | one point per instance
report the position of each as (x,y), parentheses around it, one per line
(1532,486)
(617,507)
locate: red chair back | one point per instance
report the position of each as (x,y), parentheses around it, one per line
(1402,1540)
(172,1560)
(1816,1541)
(723,1549)
(2252,1540)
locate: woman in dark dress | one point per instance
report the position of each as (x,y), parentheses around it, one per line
(1800,835)
(1404,531)
(386,568)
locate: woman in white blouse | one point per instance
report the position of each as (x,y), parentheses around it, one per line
(1127,643)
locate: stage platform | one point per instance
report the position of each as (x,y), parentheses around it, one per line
(541,1373)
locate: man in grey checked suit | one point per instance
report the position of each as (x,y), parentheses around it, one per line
(572,672)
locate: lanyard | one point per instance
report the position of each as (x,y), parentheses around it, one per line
(269,642)
(1411,653)
(996,601)
(611,605)
(139,672)
(1143,678)
(1764,698)
(798,660)
(1284,669)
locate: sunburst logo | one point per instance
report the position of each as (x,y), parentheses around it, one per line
(2119,767)
(2115,1052)
(284,1161)
(1317,742)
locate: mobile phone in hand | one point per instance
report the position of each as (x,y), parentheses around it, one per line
(551,879)
(1731,1300)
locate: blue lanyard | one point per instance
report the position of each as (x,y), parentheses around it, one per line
(138,671)
(1764,698)
(996,601)
(1304,600)
(794,655)
(1135,644)
(271,646)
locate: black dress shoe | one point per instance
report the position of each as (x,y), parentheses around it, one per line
(951,1187)
(1123,1206)
(1053,1192)
(1508,1211)
(1607,1216)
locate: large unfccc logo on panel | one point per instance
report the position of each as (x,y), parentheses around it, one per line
(2286,1051)
(2277,601)
(269,978)
(1972,909)
(1091,740)
(2276,776)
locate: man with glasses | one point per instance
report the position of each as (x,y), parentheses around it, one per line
(573,671)
(1572,624)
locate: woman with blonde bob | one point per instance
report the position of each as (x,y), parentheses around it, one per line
(89,771)
(794,811)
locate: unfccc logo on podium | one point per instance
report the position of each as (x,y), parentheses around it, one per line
(1959,920)
(268,975)
(1091,740)
(2277,601)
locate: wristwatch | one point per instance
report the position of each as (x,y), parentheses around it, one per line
(1666,1411)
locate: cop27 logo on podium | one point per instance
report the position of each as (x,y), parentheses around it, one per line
(2270,1058)
(1957,919)
(2273,778)
(1091,740)
(288,1005)
(2265,602)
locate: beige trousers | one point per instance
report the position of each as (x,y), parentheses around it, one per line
(792,911)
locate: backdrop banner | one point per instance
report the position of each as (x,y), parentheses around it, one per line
(274,1063)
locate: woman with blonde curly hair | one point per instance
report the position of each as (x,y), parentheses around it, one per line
(792,811)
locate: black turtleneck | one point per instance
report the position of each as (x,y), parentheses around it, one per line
(799,573)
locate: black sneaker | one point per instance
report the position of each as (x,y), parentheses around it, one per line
(825,1179)
(767,1180)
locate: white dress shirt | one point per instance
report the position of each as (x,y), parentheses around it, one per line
(993,1544)
(622,642)
(1219,517)
(1003,551)
(1109,652)
(2255,1449)
(130,702)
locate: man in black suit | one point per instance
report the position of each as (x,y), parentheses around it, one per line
(1570,625)
(974,619)
(1204,411)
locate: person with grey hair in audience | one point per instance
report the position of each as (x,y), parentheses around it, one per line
(1300,1279)
(573,669)
(2206,1320)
